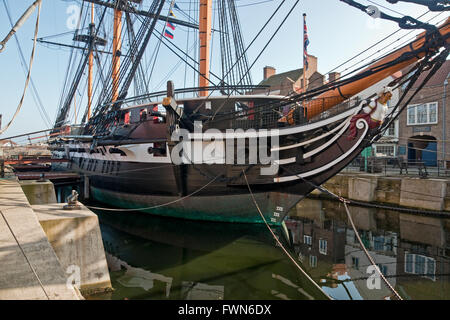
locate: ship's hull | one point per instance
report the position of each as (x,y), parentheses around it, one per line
(221,208)
(131,179)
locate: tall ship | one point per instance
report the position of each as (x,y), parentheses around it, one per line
(223,149)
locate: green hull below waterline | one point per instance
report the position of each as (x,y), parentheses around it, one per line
(206,208)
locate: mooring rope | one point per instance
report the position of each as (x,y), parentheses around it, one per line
(363,247)
(345,201)
(278,241)
(159,205)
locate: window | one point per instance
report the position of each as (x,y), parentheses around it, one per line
(411,115)
(433,112)
(323,246)
(383,269)
(313,261)
(422,113)
(385,150)
(390,132)
(409,258)
(425,113)
(378,243)
(307,240)
(355,263)
(389,244)
(420,265)
(431,269)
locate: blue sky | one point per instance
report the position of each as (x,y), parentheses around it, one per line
(336,31)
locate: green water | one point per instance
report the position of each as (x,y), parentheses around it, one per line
(162,258)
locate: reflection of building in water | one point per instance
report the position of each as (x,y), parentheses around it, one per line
(290,284)
(318,240)
(145,279)
(423,257)
(382,247)
(412,251)
(201,291)
(191,260)
(137,277)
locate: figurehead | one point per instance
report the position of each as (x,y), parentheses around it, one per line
(373,113)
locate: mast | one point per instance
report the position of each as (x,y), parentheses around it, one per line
(117,45)
(205,13)
(304,59)
(91,66)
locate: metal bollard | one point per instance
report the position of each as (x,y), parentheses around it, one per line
(72,202)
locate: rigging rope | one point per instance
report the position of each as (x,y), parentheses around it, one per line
(372,46)
(172,3)
(159,205)
(433,5)
(406,22)
(339,83)
(363,247)
(345,201)
(438,62)
(19,23)
(278,241)
(258,56)
(2,130)
(248,47)
(36,96)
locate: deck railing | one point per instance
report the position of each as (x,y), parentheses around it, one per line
(270,115)
(397,166)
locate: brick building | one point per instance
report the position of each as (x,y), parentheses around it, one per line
(424,127)
(287,82)
(292,81)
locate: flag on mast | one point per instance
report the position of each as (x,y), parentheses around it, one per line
(170,25)
(305,58)
(305,43)
(167,33)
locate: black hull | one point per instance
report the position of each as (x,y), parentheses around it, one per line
(179,190)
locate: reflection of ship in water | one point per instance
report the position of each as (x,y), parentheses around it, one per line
(158,258)
(411,250)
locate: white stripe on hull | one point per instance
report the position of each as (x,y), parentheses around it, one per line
(330,164)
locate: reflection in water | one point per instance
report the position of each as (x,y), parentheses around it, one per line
(161,258)
(412,251)
(137,277)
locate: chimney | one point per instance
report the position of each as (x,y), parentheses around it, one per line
(333,76)
(268,72)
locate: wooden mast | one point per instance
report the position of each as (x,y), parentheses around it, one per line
(304,61)
(91,67)
(117,44)
(333,97)
(205,13)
